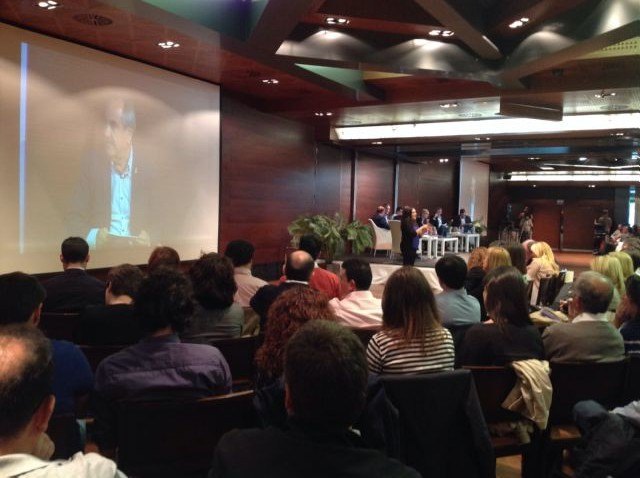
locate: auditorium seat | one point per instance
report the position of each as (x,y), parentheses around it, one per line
(442,430)
(364,335)
(632,380)
(177,438)
(59,325)
(97,353)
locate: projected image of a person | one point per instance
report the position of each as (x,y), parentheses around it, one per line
(110,202)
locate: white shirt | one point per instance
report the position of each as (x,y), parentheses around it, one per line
(588,317)
(247,284)
(79,465)
(359,310)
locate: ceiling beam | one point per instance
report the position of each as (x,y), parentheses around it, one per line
(571,36)
(446,14)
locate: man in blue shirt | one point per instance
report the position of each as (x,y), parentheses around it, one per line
(456,308)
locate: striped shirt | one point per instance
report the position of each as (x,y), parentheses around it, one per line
(390,355)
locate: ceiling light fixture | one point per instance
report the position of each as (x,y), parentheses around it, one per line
(376,142)
(443,33)
(336,21)
(443,160)
(449,105)
(574,177)
(270,81)
(49,4)
(323,113)
(582,158)
(168,44)
(603,94)
(592,185)
(546,168)
(514,126)
(519,23)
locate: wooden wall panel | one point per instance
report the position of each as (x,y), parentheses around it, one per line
(438,187)
(333,180)
(578,222)
(374,185)
(408,190)
(267,178)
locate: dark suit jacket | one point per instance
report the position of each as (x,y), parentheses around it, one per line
(107,325)
(72,291)
(457,221)
(91,203)
(380,220)
(266,295)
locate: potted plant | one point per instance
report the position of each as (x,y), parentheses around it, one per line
(333,232)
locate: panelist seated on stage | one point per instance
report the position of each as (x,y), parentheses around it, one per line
(113,323)
(74,289)
(462,222)
(358,308)
(380,218)
(439,223)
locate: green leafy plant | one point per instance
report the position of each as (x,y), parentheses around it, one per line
(479,226)
(332,232)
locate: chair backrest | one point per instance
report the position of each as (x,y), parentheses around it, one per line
(381,237)
(442,431)
(632,380)
(177,438)
(59,325)
(240,353)
(493,384)
(97,353)
(572,382)
(396,236)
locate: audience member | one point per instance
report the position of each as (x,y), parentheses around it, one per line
(321,279)
(475,272)
(113,323)
(26,405)
(163,256)
(216,316)
(455,306)
(297,271)
(380,218)
(325,389)
(635,258)
(609,266)
(159,365)
(74,289)
(518,257)
(527,249)
(509,335)
(358,308)
(628,316)
(241,254)
(626,263)
(290,311)
(543,265)
(21,298)
(496,257)
(590,337)
(412,340)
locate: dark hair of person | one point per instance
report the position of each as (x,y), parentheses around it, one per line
(298,270)
(518,257)
(594,290)
(240,252)
(635,257)
(326,374)
(506,297)
(74,249)
(359,272)
(408,305)
(310,244)
(125,279)
(20,296)
(164,299)
(290,311)
(452,271)
(163,256)
(380,209)
(213,282)
(633,289)
(26,383)
(406,213)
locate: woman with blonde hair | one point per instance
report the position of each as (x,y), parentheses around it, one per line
(626,262)
(610,266)
(412,339)
(496,257)
(543,264)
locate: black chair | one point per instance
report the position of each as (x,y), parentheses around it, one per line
(631,390)
(177,438)
(59,325)
(97,353)
(457,333)
(442,430)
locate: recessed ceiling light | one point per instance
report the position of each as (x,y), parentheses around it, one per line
(49,4)
(168,44)
(592,185)
(448,33)
(449,105)
(336,21)
(620,134)
(546,168)
(435,33)
(603,94)
(376,142)
(477,139)
(270,81)
(519,23)
(443,160)
(582,158)
(534,185)
(445,33)
(323,113)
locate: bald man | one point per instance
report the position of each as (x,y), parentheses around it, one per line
(297,270)
(589,337)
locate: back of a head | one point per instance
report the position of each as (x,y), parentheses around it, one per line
(74,250)
(595,291)
(26,376)
(163,256)
(518,257)
(20,295)
(633,290)
(477,257)
(506,296)
(626,263)
(311,245)
(240,252)
(408,305)
(163,299)
(326,374)
(359,272)
(406,213)
(452,271)
(610,267)
(125,279)
(635,257)
(213,282)
(496,257)
(299,266)
(380,209)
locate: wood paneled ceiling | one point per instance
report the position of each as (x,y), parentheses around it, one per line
(383,66)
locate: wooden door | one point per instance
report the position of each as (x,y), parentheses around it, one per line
(547,218)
